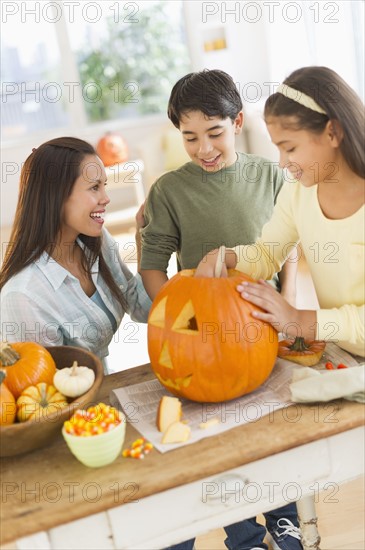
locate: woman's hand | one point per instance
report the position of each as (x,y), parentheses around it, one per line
(281,315)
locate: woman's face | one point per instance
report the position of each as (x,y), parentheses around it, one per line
(310,158)
(84,210)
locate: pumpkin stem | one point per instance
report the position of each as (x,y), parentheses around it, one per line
(74,367)
(299,344)
(8,355)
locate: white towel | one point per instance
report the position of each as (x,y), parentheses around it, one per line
(309,385)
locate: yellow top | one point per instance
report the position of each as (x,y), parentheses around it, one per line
(334,250)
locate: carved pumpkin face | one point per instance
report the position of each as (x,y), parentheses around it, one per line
(112,149)
(203,343)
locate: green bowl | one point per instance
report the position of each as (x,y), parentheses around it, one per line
(97,450)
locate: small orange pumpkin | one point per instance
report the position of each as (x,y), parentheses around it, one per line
(112,149)
(203,343)
(304,352)
(7,403)
(38,401)
(25,364)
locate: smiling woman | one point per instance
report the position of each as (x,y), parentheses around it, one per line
(64,283)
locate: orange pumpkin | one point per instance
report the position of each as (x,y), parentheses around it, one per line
(7,403)
(304,352)
(25,364)
(112,149)
(203,343)
(38,401)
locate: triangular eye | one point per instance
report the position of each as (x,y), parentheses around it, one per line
(158,314)
(186,321)
(165,357)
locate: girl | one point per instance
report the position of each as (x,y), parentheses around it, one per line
(62,280)
(317,122)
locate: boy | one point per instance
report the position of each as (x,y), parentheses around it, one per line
(220,197)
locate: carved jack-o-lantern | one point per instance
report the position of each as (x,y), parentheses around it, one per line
(203,342)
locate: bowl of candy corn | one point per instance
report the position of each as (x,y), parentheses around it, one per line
(95,436)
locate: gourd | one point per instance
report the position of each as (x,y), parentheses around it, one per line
(304,352)
(25,364)
(74,381)
(38,401)
(112,149)
(203,343)
(7,403)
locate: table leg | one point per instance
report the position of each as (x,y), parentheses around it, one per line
(308,523)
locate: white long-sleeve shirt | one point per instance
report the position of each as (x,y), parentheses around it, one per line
(44,303)
(334,251)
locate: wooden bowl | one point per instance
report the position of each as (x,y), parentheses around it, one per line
(23,437)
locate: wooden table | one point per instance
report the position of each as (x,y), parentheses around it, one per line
(171,497)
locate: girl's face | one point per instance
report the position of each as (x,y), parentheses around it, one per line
(310,158)
(84,210)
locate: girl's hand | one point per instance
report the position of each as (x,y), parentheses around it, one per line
(207,266)
(281,315)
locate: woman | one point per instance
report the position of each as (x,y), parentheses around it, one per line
(62,281)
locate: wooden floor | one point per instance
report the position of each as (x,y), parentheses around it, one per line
(341,524)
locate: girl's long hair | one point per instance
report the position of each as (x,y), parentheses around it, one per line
(46,181)
(336,98)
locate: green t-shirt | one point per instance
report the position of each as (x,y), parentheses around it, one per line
(190,211)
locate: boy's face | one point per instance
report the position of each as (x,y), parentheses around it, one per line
(210,141)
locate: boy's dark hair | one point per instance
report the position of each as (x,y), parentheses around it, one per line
(212,92)
(335,97)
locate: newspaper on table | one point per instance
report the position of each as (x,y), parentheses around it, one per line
(140,402)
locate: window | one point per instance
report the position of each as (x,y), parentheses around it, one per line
(30,71)
(118,59)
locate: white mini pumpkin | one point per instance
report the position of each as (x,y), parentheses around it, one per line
(74,381)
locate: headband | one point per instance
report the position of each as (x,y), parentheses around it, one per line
(300,97)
